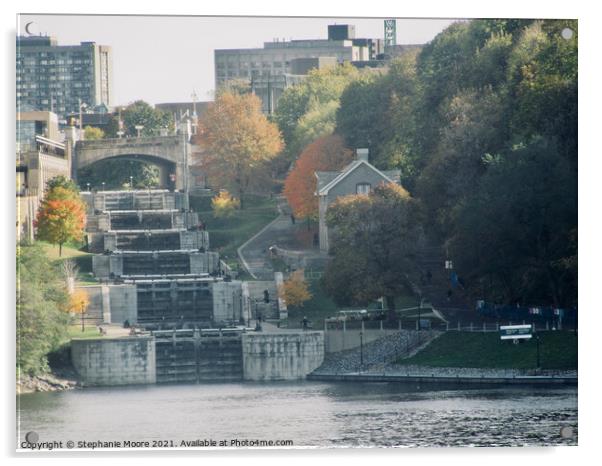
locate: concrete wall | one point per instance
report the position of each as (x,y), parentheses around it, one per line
(120,361)
(112,303)
(281,356)
(204,262)
(227,301)
(194,240)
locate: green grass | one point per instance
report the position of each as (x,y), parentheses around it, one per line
(558,350)
(226,235)
(321,306)
(90,331)
(72,251)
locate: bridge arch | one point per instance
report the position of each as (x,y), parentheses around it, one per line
(170,153)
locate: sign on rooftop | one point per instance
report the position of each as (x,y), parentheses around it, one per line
(516,332)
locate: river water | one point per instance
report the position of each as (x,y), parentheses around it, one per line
(308,413)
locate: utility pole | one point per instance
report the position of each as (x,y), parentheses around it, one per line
(81,134)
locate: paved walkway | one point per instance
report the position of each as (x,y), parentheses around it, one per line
(280,232)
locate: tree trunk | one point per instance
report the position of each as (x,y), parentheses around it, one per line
(60,249)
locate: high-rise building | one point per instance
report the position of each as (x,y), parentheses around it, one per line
(56,78)
(274,59)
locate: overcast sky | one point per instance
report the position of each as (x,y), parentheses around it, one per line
(163,58)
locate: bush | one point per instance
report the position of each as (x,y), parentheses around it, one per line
(224,205)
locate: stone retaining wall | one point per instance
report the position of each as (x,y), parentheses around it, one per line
(118,361)
(281,356)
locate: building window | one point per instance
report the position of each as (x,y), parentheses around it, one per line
(363,188)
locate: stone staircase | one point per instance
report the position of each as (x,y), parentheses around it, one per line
(433,282)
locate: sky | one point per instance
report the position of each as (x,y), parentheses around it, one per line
(164,58)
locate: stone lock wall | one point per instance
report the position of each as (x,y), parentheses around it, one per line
(119,361)
(281,356)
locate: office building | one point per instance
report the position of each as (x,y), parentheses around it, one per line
(56,78)
(274,59)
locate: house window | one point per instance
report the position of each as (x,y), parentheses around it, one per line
(363,188)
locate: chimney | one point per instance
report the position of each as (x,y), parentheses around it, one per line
(362,154)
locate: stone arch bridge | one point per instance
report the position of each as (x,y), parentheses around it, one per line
(170,153)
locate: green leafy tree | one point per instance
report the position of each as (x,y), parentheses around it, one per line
(115,173)
(515,237)
(377,112)
(543,84)
(312,95)
(42,300)
(92,133)
(374,239)
(141,113)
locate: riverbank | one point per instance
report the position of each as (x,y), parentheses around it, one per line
(46,383)
(412,377)
(456,357)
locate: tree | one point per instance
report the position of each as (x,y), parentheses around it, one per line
(224,205)
(295,289)
(374,239)
(515,237)
(140,113)
(237,141)
(318,93)
(115,173)
(92,133)
(319,121)
(41,303)
(61,216)
(325,154)
(78,303)
(377,111)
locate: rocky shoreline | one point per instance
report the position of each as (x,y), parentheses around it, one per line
(46,383)
(385,356)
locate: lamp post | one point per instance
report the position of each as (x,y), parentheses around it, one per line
(88,186)
(120,131)
(538,360)
(103,185)
(81,106)
(83,304)
(361,350)
(131,182)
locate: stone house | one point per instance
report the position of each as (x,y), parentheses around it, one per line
(359,177)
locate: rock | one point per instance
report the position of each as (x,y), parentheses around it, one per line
(44,383)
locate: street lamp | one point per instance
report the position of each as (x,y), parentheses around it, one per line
(131,182)
(103,185)
(88,186)
(83,304)
(81,106)
(361,350)
(538,360)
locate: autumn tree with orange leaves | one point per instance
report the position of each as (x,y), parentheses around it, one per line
(237,142)
(327,153)
(61,216)
(295,289)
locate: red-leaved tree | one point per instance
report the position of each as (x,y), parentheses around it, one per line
(327,153)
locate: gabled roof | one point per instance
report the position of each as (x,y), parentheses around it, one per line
(322,191)
(324,178)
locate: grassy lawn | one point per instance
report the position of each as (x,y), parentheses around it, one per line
(90,331)
(72,251)
(226,235)
(321,306)
(558,350)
